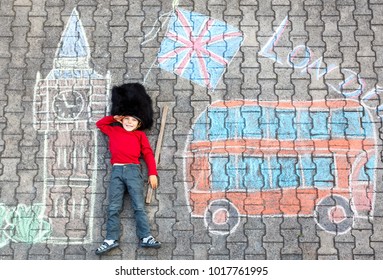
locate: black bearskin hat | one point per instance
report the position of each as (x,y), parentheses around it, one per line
(131,99)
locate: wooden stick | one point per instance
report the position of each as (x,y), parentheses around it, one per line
(158,150)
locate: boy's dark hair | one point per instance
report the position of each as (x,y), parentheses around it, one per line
(131,99)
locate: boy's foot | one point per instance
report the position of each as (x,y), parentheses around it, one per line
(105,247)
(150,242)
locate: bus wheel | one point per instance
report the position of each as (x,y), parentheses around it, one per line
(334,214)
(221,217)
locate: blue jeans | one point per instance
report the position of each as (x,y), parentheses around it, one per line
(127,177)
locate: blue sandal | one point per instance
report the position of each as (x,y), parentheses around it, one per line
(150,242)
(105,247)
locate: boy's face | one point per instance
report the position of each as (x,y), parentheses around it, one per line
(130,123)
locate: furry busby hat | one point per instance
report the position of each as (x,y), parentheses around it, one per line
(131,99)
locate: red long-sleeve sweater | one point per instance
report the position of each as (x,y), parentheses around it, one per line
(127,146)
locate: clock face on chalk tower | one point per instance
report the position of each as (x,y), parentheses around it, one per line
(68,104)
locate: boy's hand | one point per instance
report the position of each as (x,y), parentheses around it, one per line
(153,181)
(118,118)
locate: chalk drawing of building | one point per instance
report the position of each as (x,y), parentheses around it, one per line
(67,103)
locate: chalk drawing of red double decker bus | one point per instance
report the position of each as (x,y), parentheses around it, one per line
(258,158)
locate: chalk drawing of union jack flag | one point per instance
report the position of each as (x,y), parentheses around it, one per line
(198,48)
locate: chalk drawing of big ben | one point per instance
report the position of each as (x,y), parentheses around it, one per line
(67,103)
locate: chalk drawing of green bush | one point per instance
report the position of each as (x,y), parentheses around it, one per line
(24,224)
(5,226)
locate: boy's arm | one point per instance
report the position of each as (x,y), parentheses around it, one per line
(104,124)
(148,155)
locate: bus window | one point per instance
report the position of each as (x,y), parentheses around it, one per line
(354,125)
(306,171)
(338,124)
(366,172)
(228,174)
(234,123)
(236,170)
(286,128)
(368,126)
(217,118)
(304,124)
(251,116)
(320,126)
(219,179)
(200,128)
(271,170)
(288,177)
(324,172)
(254,177)
(268,123)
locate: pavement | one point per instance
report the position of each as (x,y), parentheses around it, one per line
(271,145)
